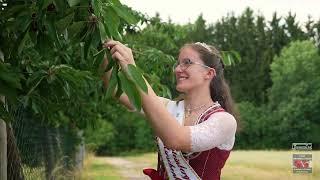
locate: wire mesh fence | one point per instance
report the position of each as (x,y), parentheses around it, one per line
(36,150)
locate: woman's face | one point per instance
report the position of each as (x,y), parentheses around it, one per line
(190,75)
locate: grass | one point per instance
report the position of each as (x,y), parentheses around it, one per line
(246,165)
(33,173)
(58,172)
(265,165)
(96,169)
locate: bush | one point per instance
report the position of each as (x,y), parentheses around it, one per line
(294,97)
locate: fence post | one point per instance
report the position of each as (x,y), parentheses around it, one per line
(80,153)
(48,153)
(3,148)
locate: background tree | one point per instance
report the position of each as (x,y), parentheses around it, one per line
(294,95)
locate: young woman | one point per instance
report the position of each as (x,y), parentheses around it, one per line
(195,134)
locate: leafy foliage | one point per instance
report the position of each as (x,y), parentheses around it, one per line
(291,114)
(57,55)
(294,95)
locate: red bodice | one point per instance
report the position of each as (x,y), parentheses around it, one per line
(207,164)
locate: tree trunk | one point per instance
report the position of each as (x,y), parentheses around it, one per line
(3,148)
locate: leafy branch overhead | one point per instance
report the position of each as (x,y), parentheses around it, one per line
(58,52)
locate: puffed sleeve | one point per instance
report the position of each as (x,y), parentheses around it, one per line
(219,129)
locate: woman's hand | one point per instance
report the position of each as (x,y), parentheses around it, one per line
(120,52)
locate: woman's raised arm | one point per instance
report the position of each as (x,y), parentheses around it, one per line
(173,134)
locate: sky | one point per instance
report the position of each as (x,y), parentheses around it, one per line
(182,12)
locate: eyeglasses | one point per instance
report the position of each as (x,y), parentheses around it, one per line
(185,63)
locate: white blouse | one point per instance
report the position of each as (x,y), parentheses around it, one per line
(217,131)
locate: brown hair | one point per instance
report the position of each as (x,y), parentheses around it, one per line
(219,88)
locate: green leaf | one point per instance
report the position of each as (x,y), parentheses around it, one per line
(43,44)
(137,77)
(60,5)
(97,7)
(112,83)
(13,10)
(9,92)
(119,89)
(112,22)
(23,21)
(96,38)
(66,89)
(11,78)
(35,107)
(46,3)
(76,28)
(63,23)
(36,75)
(87,45)
(52,32)
(168,92)
(35,86)
(236,55)
(99,58)
(131,91)
(111,61)
(124,13)
(99,53)
(82,51)
(23,42)
(225,58)
(230,57)
(103,34)
(73,2)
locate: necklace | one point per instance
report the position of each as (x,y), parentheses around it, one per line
(189,110)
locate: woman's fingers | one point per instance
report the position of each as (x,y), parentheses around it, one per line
(116,48)
(119,51)
(117,55)
(122,49)
(111,43)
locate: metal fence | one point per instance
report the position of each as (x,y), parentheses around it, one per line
(36,150)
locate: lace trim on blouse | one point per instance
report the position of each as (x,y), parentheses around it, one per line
(218,131)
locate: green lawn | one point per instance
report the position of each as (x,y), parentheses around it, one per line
(246,165)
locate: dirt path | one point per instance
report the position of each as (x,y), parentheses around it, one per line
(128,169)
